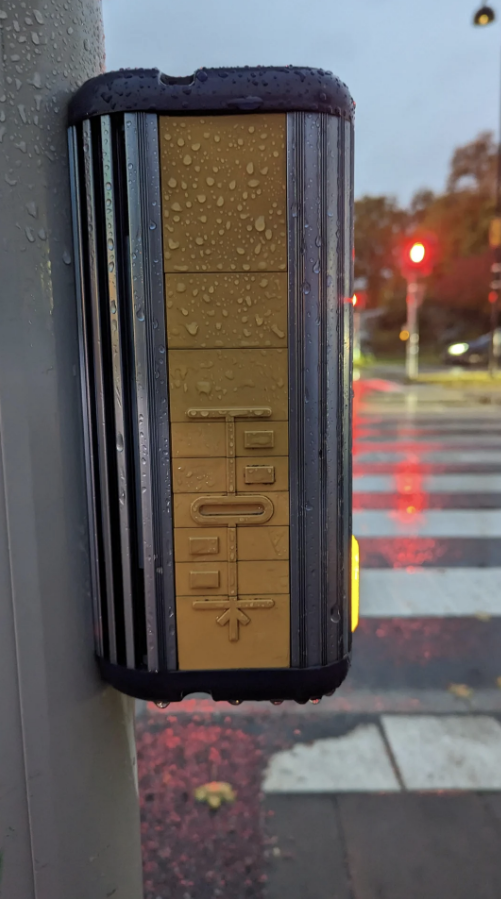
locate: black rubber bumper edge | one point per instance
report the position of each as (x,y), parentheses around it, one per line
(299,684)
(213,91)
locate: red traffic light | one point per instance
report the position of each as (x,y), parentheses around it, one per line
(418,256)
(359,300)
(417,253)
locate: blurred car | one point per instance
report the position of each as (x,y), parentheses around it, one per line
(473,352)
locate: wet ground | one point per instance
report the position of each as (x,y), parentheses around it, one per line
(392,787)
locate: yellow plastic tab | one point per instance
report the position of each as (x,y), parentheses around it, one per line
(224,193)
(210,311)
(355,583)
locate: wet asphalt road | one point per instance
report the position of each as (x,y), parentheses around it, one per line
(392,787)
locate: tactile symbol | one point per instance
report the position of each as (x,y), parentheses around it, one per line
(204,580)
(259,439)
(255,509)
(259,474)
(204,546)
(233,613)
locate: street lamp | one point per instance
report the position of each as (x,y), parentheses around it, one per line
(485,15)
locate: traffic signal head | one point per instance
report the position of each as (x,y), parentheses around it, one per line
(359,300)
(417,253)
(418,256)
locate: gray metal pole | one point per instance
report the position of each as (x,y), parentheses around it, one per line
(69,823)
(414,292)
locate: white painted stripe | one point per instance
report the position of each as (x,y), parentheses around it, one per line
(412,426)
(379,441)
(357,762)
(433,523)
(430,592)
(446,753)
(449,457)
(395,419)
(439,483)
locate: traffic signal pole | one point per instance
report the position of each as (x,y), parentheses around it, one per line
(69,822)
(417,259)
(413,299)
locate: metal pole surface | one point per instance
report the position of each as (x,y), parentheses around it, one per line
(412,346)
(69,822)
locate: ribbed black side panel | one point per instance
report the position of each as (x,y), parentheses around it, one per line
(117,209)
(320,312)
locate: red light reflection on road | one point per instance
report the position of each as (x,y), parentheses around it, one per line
(411,552)
(411,498)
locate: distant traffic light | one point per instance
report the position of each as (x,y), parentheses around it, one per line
(418,255)
(359,300)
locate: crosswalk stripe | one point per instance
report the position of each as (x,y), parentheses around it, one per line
(441,483)
(424,442)
(457,459)
(356,762)
(425,467)
(430,552)
(430,592)
(410,428)
(420,500)
(439,752)
(431,523)
(447,456)
(446,753)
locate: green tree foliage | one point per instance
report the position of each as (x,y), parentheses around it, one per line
(459,218)
(379,224)
(473,167)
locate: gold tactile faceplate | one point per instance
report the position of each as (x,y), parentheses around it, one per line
(224,202)
(227,310)
(224,193)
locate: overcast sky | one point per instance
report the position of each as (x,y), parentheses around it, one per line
(424,79)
